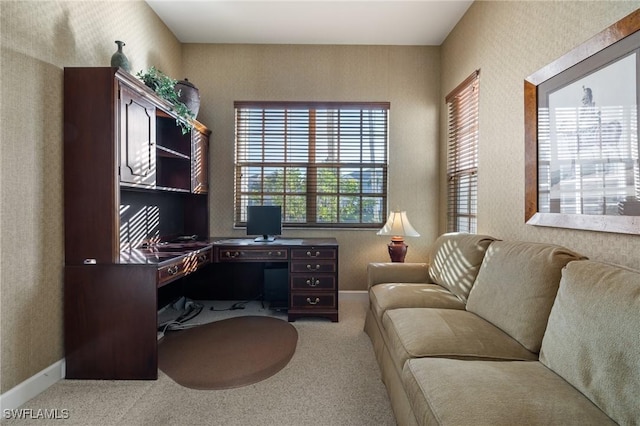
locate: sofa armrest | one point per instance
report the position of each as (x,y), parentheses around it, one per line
(388,272)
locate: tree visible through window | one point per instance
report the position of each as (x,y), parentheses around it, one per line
(462,159)
(324,163)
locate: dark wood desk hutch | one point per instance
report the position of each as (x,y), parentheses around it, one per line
(131,179)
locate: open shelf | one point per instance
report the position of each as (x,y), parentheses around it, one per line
(162,151)
(173,172)
(169,136)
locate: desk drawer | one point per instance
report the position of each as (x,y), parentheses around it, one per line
(183,265)
(195,260)
(314,266)
(311,300)
(313,282)
(233,254)
(313,253)
(170,272)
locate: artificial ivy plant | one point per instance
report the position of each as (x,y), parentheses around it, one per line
(164,86)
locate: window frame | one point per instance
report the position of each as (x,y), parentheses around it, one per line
(312,192)
(462,155)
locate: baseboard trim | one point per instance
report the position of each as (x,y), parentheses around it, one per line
(32,387)
(361,295)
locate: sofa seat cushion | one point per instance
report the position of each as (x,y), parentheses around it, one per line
(452,333)
(410,295)
(516,287)
(454,261)
(593,336)
(454,392)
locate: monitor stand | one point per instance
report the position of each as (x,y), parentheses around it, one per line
(265,239)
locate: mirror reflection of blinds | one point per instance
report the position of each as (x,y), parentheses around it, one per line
(462,155)
(325,163)
(593,166)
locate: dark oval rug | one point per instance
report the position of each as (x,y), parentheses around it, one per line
(227,353)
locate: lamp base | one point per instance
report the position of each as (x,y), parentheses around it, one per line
(397,250)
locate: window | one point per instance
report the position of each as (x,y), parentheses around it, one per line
(462,159)
(324,163)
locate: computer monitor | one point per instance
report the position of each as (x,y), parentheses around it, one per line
(265,221)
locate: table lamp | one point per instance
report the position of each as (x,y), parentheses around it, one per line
(398,227)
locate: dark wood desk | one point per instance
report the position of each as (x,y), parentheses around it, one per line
(312,270)
(111,308)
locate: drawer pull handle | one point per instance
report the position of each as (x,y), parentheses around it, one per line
(278,253)
(309,254)
(172,270)
(232,255)
(311,268)
(313,302)
(313,282)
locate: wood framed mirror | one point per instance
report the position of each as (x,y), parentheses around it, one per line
(582,168)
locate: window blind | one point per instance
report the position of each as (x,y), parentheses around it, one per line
(462,155)
(324,163)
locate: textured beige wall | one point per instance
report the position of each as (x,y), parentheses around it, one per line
(509,41)
(408,77)
(38,40)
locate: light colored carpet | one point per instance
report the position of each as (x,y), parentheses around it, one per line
(332,379)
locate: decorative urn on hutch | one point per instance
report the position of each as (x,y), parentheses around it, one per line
(119,59)
(189,95)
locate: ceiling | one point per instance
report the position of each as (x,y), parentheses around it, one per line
(390,22)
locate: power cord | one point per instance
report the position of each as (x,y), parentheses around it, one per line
(235,306)
(192,310)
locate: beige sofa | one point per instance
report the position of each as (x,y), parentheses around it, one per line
(492,332)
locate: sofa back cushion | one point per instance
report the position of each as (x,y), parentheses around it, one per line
(593,336)
(454,261)
(516,286)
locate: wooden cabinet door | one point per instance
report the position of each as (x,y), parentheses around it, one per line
(137,139)
(199,162)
